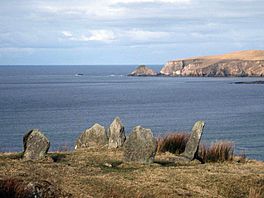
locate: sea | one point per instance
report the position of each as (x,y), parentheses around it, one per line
(62,104)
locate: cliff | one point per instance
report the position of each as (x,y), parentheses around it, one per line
(241,63)
(143,70)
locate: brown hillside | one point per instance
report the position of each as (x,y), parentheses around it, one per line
(241,55)
(241,63)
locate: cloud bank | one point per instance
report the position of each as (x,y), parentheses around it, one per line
(125,31)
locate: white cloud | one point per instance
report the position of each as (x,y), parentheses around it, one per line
(118,35)
(67,33)
(101,9)
(142,35)
(93,35)
(101,35)
(150,1)
(84,9)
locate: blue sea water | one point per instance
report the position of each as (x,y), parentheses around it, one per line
(62,105)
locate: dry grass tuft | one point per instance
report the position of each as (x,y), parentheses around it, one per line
(17,188)
(10,188)
(218,152)
(176,142)
(173,143)
(254,193)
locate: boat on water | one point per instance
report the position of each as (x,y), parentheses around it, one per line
(79,74)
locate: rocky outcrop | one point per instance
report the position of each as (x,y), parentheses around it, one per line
(95,136)
(141,146)
(36,145)
(143,70)
(242,63)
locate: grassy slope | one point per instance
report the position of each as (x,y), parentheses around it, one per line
(83,174)
(241,55)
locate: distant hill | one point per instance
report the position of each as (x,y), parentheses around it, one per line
(240,63)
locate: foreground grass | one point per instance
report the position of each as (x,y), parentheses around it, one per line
(219,151)
(101,173)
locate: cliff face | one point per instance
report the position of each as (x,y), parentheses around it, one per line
(143,70)
(243,63)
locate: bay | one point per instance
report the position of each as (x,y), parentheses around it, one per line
(61,104)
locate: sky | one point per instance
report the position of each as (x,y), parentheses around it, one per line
(109,32)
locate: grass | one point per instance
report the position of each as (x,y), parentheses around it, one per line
(10,188)
(173,143)
(217,152)
(18,188)
(86,173)
(12,156)
(57,156)
(102,173)
(255,193)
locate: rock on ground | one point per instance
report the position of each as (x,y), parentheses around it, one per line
(95,136)
(141,146)
(36,145)
(116,134)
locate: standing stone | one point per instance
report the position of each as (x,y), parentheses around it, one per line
(95,136)
(36,145)
(116,134)
(140,146)
(192,145)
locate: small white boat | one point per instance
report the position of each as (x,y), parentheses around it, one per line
(79,74)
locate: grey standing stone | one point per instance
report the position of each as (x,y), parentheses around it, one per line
(140,146)
(95,136)
(116,134)
(192,145)
(36,145)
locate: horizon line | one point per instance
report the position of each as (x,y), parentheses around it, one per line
(80,65)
